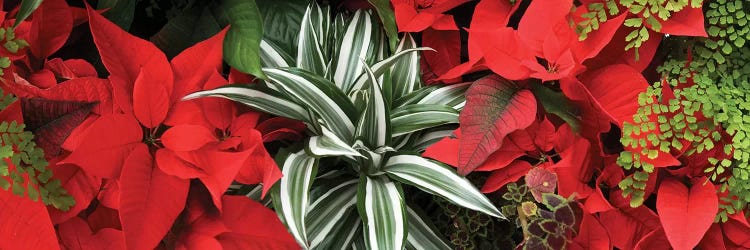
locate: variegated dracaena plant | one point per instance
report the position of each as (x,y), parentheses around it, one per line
(369,116)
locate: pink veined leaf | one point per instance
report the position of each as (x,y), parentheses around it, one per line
(494,108)
(540,180)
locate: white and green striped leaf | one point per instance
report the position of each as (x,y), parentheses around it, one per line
(344,233)
(453,95)
(381,206)
(438,179)
(373,127)
(406,73)
(426,139)
(258,97)
(310,54)
(380,67)
(422,234)
(319,95)
(292,199)
(329,210)
(357,42)
(272,56)
(415,117)
(328,144)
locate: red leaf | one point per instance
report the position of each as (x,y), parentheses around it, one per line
(150,200)
(81,186)
(618,101)
(102,152)
(539,20)
(574,170)
(686,214)
(494,108)
(627,226)
(220,111)
(109,195)
(104,217)
(447,46)
(259,166)
(506,175)
(76,234)
(687,22)
(445,150)
(124,56)
(252,226)
(193,66)
(280,128)
(70,69)
(51,25)
(151,93)
(169,162)
(504,52)
(24,224)
(736,228)
(592,235)
(218,179)
(85,89)
(653,240)
(714,238)
(187,137)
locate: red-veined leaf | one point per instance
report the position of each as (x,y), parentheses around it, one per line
(615,89)
(51,25)
(540,180)
(52,121)
(686,214)
(150,200)
(84,89)
(102,152)
(494,108)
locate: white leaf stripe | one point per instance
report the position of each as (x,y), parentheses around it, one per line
(298,173)
(421,234)
(328,144)
(334,108)
(415,117)
(453,95)
(384,213)
(406,71)
(272,56)
(433,177)
(429,138)
(264,100)
(354,45)
(374,125)
(329,209)
(309,54)
(381,67)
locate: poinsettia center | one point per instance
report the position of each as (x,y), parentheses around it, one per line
(152,136)
(551,68)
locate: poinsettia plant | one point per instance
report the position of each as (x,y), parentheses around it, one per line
(490,124)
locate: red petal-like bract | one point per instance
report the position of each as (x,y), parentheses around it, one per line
(125,56)
(494,108)
(102,152)
(80,185)
(150,200)
(591,234)
(500,177)
(51,25)
(52,121)
(76,234)
(187,137)
(687,22)
(252,226)
(151,94)
(686,214)
(24,224)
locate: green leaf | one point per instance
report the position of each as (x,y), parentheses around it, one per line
(281,22)
(242,42)
(328,144)
(292,199)
(189,27)
(319,95)
(381,205)
(27,7)
(120,12)
(556,103)
(422,234)
(374,127)
(381,67)
(258,97)
(438,179)
(329,209)
(388,19)
(313,32)
(415,117)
